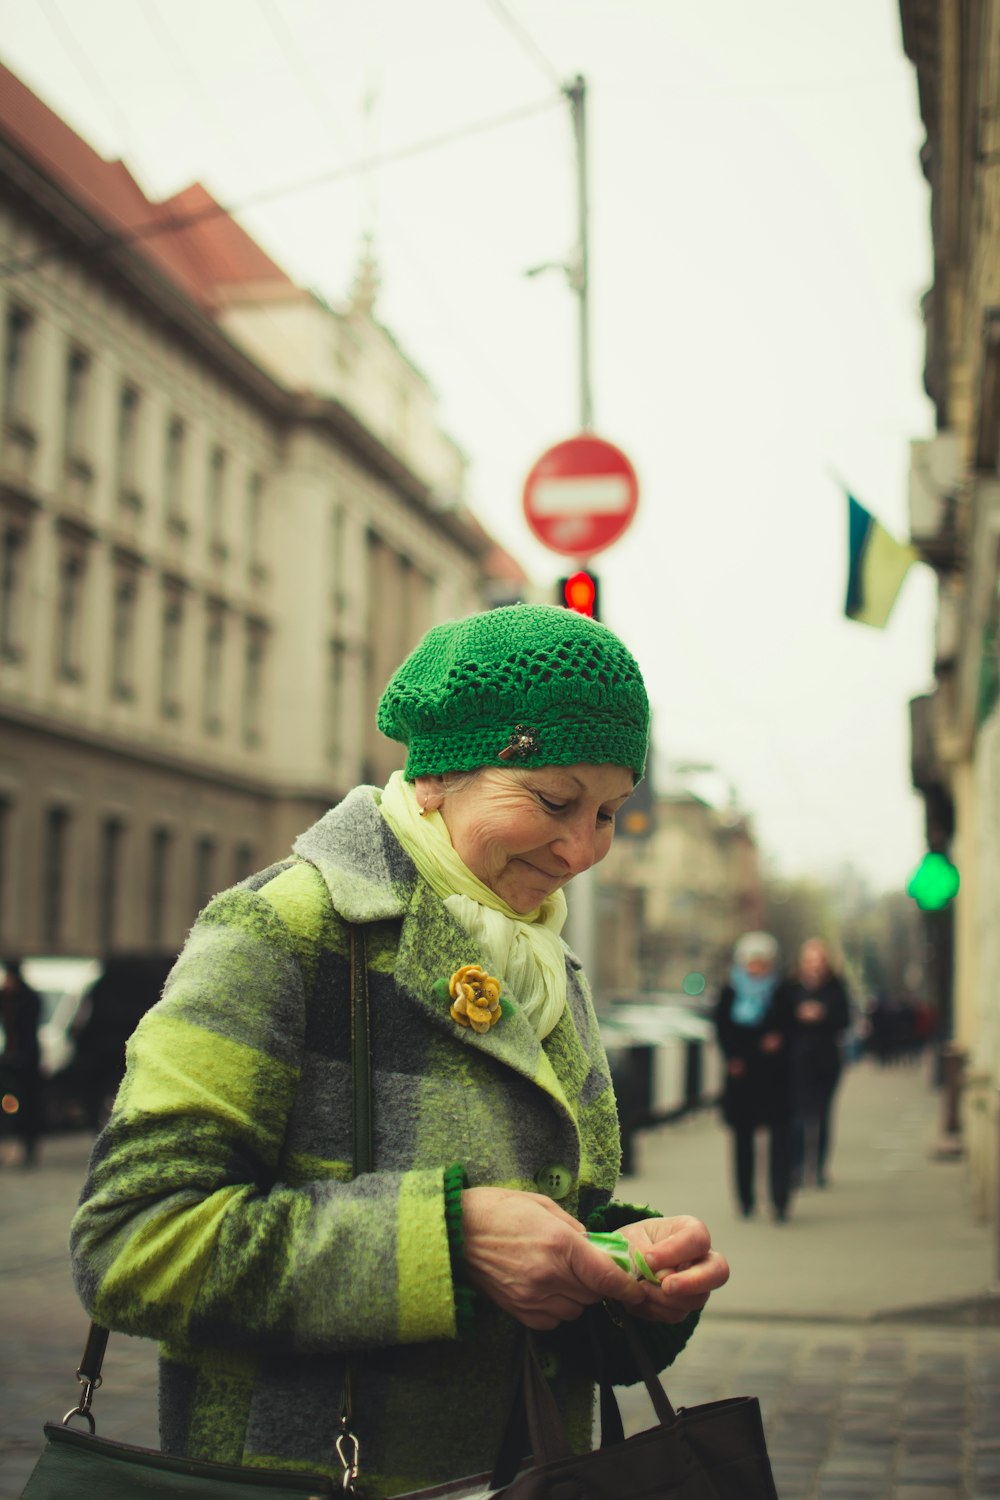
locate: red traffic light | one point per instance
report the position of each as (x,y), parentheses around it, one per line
(579,592)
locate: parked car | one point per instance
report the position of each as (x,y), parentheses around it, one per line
(89,1009)
(80,1094)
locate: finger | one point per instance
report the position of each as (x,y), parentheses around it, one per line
(698,1280)
(685,1242)
(599,1277)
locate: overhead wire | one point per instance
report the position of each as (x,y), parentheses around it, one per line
(95,84)
(112,239)
(444,315)
(285,39)
(526,41)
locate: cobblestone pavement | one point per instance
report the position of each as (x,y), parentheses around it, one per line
(855,1411)
(868,1326)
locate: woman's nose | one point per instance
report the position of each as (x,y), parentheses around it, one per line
(576,847)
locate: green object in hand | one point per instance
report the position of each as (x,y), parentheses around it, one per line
(624,1255)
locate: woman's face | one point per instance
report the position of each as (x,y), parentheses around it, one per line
(813,964)
(524,833)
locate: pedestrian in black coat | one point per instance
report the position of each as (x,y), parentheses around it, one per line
(753,1021)
(20,1061)
(822,1014)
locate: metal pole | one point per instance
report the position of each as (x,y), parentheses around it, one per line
(582,897)
(576,92)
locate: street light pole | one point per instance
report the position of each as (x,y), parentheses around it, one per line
(582,922)
(576,93)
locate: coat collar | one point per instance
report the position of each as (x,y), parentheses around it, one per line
(371,878)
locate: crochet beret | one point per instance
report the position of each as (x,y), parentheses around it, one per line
(531,684)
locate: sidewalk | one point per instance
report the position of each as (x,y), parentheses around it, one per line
(868,1325)
(891,1234)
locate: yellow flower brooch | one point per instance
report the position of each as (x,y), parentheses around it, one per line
(475,998)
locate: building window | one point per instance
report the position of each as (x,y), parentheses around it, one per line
(129,404)
(109,881)
(217,502)
(69,616)
(160,845)
(243,862)
(16,363)
(212,686)
(173,475)
(255,648)
(171,647)
(13,556)
(55,852)
(335,700)
(204,871)
(255,493)
(123,627)
(75,414)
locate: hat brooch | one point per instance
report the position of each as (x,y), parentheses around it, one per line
(523,742)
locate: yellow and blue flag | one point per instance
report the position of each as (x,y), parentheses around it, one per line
(877,565)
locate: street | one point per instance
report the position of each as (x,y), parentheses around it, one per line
(868,1325)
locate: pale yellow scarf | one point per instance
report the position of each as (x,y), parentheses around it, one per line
(523,948)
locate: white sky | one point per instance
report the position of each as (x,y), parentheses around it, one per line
(759,243)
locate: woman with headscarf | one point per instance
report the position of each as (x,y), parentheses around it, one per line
(220,1215)
(753,1020)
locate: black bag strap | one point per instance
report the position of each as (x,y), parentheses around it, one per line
(361,1052)
(534,1423)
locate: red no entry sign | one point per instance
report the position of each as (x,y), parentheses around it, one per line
(580,496)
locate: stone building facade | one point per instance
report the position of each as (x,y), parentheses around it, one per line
(672,905)
(227,510)
(955,522)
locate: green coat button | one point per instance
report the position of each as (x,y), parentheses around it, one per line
(555,1182)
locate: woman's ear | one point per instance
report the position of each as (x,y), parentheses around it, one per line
(430,793)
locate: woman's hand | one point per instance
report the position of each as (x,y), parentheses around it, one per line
(532,1259)
(678,1251)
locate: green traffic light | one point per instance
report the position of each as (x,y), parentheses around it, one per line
(934,882)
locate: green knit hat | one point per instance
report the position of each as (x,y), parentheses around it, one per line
(532,684)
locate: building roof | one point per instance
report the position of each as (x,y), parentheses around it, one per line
(189,238)
(196,245)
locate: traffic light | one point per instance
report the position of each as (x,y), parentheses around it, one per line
(581,592)
(934,882)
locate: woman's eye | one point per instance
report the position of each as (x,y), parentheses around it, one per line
(605,818)
(551,806)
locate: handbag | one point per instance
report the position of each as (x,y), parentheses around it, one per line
(716,1451)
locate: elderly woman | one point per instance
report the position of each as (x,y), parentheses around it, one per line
(754,1022)
(220,1215)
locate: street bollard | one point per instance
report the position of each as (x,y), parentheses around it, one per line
(996,1184)
(953,1061)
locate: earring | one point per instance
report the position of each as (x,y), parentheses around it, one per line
(421,811)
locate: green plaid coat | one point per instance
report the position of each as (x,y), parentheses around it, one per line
(219,1215)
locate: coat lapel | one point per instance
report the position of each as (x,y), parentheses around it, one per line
(371,878)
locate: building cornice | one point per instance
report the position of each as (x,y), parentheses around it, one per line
(138,752)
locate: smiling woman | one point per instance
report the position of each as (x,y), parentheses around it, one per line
(221,1214)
